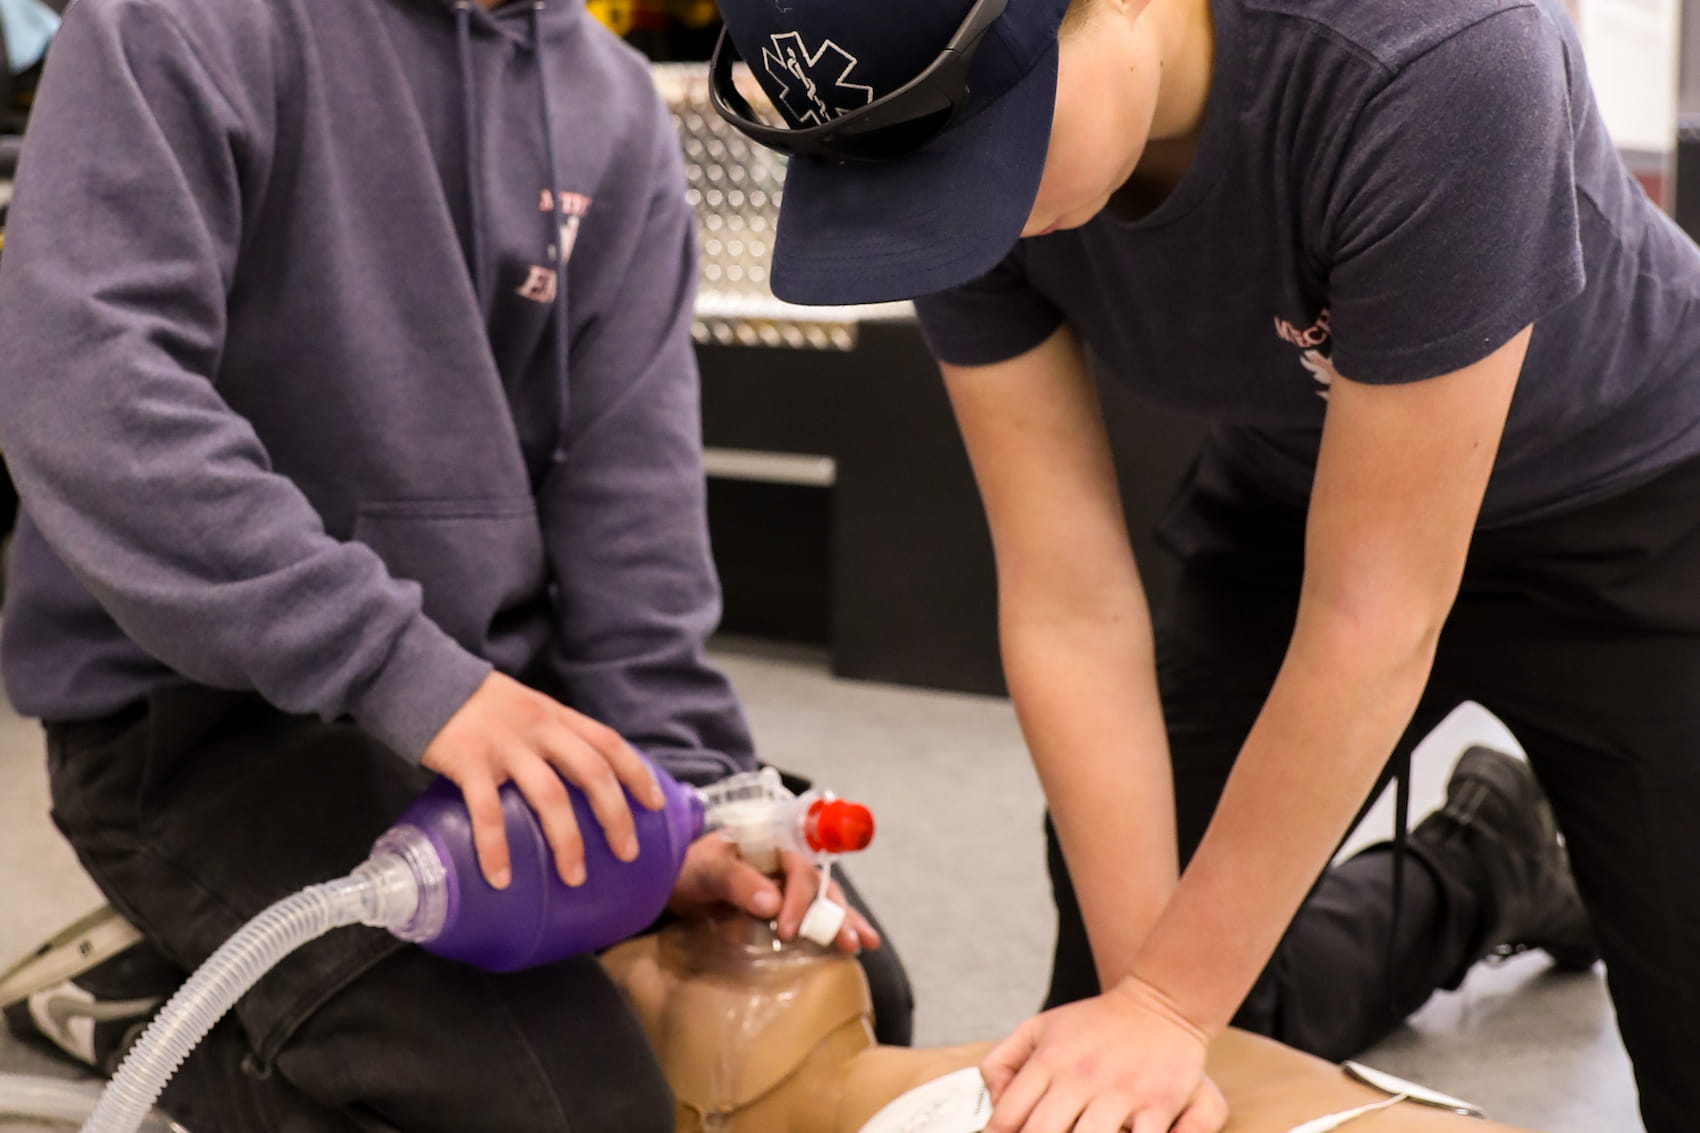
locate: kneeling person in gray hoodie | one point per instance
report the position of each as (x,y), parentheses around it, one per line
(345,373)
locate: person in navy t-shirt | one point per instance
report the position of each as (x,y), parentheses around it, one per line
(1445,347)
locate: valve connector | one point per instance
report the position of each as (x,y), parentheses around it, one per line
(838,826)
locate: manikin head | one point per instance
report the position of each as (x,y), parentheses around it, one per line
(759,1037)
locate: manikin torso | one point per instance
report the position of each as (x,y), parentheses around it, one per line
(759,1037)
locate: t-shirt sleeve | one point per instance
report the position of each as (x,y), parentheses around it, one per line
(1453,218)
(998,316)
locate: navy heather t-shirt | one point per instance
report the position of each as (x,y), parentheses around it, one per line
(1387,190)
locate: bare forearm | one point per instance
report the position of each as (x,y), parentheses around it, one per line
(1087,700)
(1385,545)
(1333,716)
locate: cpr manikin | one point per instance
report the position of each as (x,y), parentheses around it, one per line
(760,1036)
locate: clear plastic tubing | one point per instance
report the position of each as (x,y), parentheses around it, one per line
(381,891)
(422,883)
(63,1100)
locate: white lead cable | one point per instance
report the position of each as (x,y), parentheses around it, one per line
(1335,1120)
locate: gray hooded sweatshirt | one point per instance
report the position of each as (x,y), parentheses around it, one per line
(283,388)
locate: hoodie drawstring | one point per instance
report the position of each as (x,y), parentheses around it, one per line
(475,194)
(557,236)
(469,124)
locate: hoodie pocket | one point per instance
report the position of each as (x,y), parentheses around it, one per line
(480,562)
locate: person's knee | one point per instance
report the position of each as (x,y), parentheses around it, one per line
(888,981)
(641,1104)
(426,1044)
(892,997)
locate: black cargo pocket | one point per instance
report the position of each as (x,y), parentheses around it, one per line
(475,559)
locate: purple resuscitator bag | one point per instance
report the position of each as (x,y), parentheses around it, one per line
(538,918)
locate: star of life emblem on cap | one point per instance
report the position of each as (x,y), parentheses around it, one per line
(813,86)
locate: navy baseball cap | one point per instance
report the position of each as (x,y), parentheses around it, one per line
(870,232)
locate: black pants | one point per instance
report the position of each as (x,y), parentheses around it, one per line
(1582,633)
(197,809)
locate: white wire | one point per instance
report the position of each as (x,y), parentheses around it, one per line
(1335,1120)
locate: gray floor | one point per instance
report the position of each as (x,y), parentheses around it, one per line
(956,874)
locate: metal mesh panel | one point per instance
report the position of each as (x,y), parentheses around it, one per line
(736,186)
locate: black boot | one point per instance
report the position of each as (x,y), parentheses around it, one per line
(1497,830)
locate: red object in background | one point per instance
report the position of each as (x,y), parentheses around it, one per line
(1655,172)
(1657,186)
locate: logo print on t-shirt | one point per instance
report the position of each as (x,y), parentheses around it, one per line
(808,81)
(1311,341)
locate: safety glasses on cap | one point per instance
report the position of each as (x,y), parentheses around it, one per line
(889,127)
